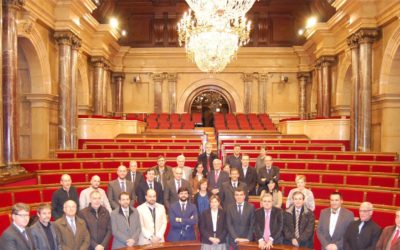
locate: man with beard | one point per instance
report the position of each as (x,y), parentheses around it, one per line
(84,197)
(153,219)
(43,232)
(183,218)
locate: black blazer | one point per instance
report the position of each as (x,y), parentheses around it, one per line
(223,177)
(366,240)
(138,178)
(275,224)
(206,226)
(142,189)
(250,180)
(271,174)
(227,193)
(240,226)
(203,159)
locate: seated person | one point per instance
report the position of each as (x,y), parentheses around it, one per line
(267,173)
(301,186)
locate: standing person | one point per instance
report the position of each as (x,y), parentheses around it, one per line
(333,222)
(197,176)
(267,173)
(17,236)
(227,192)
(216,177)
(301,186)
(363,233)
(163,172)
(98,222)
(118,186)
(235,160)
(299,221)
(212,226)
(66,192)
(248,175)
(207,159)
(84,197)
(133,175)
(201,198)
(43,231)
(72,229)
(149,183)
(186,171)
(125,223)
(268,223)
(240,220)
(171,188)
(183,218)
(390,237)
(153,220)
(260,159)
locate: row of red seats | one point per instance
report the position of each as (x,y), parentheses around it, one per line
(243,121)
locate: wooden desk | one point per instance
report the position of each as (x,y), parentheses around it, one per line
(254,246)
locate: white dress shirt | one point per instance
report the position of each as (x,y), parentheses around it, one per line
(332,221)
(214,218)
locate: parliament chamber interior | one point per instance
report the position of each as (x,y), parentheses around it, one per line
(90,85)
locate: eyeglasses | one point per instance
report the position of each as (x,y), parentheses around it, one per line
(23,215)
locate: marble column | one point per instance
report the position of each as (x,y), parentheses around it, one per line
(158,80)
(320,98)
(76,44)
(64,40)
(352,42)
(262,96)
(248,81)
(365,39)
(1,93)
(172,81)
(303,78)
(326,84)
(106,82)
(98,64)
(9,87)
(118,79)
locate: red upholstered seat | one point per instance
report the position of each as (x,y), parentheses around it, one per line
(305,156)
(65,155)
(72,165)
(91,164)
(143,147)
(31,167)
(50,178)
(333,179)
(102,155)
(338,167)
(138,154)
(121,154)
(383,168)
(322,192)
(357,180)
(383,181)
(5,221)
(325,156)
(110,146)
(111,164)
(352,195)
(380,197)
(93,146)
(84,155)
(288,177)
(317,166)
(295,165)
(6,199)
(28,196)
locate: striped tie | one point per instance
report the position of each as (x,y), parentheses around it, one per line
(296,230)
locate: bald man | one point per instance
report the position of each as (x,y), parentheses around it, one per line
(363,233)
(66,192)
(84,197)
(121,184)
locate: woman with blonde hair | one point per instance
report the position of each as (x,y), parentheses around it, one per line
(309,201)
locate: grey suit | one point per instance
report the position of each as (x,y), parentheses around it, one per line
(13,239)
(40,239)
(240,226)
(114,189)
(122,229)
(171,194)
(227,193)
(223,177)
(344,219)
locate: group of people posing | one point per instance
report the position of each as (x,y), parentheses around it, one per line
(208,202)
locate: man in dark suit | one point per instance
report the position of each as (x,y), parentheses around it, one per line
(133,175)
(149,183)
(298,223)
(43,232)
(66,192)
(240,220)
(227,192)
(268,223)
(234,160)
(248,175)
(172,186)
(267,173)
(182,217)
(163,172)
(333,223)
(17,236)
(363,233)
(390,237)
(216,177)
(207,159)
(118,186)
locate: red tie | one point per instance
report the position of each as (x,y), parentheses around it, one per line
(395,238)
(267,232)
(216,177)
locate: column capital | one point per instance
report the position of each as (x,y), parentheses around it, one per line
(248,77)
(65,37)
(325,61)
(158,77)
(14,3)
(352,41)
(117,75)
(303,76)
(263,77)
(98,61)
(172,77)
(367,35)
(76,42)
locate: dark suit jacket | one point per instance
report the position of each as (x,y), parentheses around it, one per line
(223,177)
(40,239)
(240,226)
(275,224)
(166,176)
(79,241)
(344,219)
(227,193)
(273,173)
(250,179)
(203,159)
(13,239)
(306,226)
(114,189)
(206,227)
(233,161)
(170,193)
(184,230)
(366,240)
(138,178)
(142,189)
(60,196)
(384,239)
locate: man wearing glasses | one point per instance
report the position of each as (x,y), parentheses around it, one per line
(363,233)
(17,236)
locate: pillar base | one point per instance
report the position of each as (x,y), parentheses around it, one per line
(13,169)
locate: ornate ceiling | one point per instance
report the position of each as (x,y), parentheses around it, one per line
(152,23)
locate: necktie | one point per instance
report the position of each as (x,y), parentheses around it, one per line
(178,185)
(73,226)
(97,214)
(183,208)
(360,227)
(25,235)
(123,186)
(234,185)
(216,177)
(153,214)
(208,164)
(394,240)
(150,185)
(133,177)
(267,231)
(296,230)
(240,209)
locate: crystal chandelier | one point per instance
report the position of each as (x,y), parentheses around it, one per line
(212,43)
